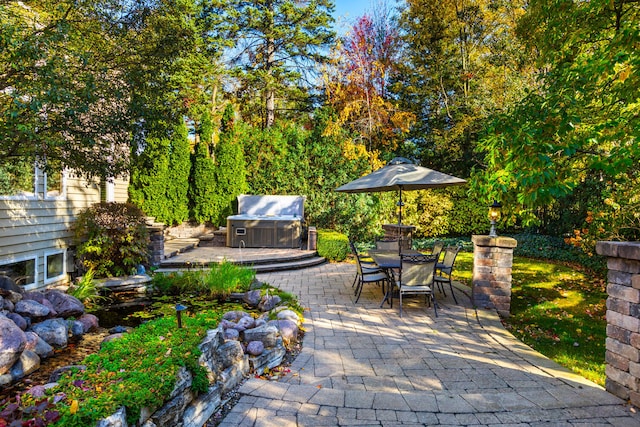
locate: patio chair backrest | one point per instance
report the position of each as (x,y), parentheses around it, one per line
(450,254)
(437,249)
(417,270)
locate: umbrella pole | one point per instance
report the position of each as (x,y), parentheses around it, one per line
(400,205)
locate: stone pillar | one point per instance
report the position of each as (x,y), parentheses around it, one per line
(156,244)
(492,262)
(623,322)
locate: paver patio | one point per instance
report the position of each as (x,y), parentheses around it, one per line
(364,365)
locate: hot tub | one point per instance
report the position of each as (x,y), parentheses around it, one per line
(266,222)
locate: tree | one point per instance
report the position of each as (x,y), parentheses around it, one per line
(358,86)
(178,174)
(278,42)
(461,63)
(580,128)
(202,189)
(61,103)
(230,173)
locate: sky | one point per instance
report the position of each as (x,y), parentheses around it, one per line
(347,11)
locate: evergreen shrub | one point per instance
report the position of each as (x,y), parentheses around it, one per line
(332,245)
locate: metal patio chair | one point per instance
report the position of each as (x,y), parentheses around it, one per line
(416,277)
(444,270)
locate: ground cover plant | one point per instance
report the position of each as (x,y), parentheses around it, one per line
(558,309)
(137,370)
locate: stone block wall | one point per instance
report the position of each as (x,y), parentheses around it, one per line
(492,265)
(156,243)
(623,319)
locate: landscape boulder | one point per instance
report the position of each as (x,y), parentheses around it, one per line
(32,309)
(12,343)
(267,334)
(255,348)
(36,296)
(252,298)
(8,284)
(288,330)
(27,363)
(65,304)
(269,302)
(20,321)
(89,322)
(54,331)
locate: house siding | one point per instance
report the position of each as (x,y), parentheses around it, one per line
(32,227)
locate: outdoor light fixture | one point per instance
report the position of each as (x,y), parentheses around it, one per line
(494,216)
(179,309)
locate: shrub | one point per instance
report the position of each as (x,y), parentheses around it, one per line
(332,245)
(555,248)
(113,238)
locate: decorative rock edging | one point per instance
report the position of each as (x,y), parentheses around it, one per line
(227,358)
(32,324)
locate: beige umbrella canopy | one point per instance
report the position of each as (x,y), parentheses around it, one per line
(400,174)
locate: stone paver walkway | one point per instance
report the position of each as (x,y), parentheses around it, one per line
(364,365)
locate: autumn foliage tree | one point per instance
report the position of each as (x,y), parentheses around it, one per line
(461,63)
(358,83)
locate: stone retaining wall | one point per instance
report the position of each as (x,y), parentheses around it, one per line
(623,319)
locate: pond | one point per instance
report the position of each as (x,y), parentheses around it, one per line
(129,309)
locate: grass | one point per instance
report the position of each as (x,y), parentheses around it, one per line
(557,309)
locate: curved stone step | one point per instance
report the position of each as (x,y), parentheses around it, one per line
(258,267)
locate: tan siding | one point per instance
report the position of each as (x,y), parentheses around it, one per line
(36,226)
(121,191)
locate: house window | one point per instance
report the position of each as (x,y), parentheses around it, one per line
(54,267)
(17,179)
(22,272)
(55,184)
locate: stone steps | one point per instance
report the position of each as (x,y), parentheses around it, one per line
(260,266)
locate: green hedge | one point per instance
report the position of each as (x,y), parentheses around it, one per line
(536,246)
(332,245)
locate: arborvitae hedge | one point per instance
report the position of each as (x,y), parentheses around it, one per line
(149,175)
(230,178)
(177,184)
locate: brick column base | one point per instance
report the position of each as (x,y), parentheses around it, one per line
(623,319)
(492,263)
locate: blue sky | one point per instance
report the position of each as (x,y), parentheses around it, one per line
(347,11)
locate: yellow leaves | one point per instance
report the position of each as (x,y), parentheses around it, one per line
(623,71)
(74,407)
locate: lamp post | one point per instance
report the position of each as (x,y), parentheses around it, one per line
(179,309)
(494,215)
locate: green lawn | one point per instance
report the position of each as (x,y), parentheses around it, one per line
(556,309)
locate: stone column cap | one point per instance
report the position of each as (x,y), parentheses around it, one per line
(628,250)
(500,241)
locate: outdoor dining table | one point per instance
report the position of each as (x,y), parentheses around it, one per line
(389,261)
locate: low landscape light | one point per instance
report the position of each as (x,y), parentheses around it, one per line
(179,309)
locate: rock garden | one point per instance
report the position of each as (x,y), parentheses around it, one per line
(158,374)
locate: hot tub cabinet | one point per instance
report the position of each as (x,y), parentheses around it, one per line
(263,232)
(266,222)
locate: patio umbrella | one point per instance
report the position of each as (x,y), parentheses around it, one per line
(400,174)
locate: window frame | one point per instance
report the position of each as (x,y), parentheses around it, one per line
(23,258)
(63,185)
(60,277)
